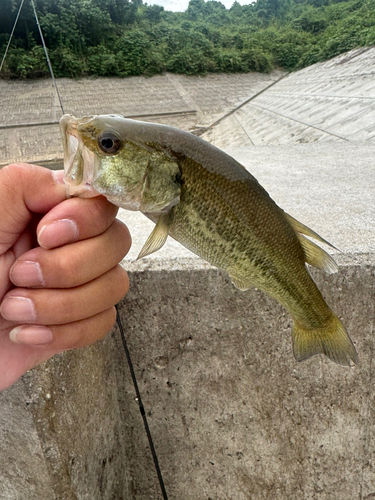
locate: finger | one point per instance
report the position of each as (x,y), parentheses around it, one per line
(75,219)
(67,336)
(54,307)
(8,258)
(75,264)
(23,353)
(25,188)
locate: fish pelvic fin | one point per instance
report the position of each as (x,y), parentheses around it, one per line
(157,238)
(314,255)
(331,340)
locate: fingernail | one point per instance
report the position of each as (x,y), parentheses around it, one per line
(18,309)
(58,176)
(31,335)
(26,273)
(58,233)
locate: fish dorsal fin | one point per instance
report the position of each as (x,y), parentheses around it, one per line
(157,238)
(301,228)
(316,256)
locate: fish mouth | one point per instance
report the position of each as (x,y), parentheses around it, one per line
(79,161)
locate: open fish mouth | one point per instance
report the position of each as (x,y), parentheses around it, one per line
(79,161)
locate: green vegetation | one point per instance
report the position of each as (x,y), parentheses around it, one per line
(129,37)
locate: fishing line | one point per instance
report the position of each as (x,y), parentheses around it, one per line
(141,407)
(44,47)
(47,57)
(118,319)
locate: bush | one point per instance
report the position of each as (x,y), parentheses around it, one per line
(101,61)
(26,64)
(131,52)
(256,60)
(190,61)
(66,63)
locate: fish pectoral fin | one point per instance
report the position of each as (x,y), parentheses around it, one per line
(301,228)
(157,238)
(240,283)
(316,256)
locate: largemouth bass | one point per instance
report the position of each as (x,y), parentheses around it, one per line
(211,204)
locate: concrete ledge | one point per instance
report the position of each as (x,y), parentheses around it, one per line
(232,414)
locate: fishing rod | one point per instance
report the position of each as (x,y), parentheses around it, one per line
(118,318)
(11,35)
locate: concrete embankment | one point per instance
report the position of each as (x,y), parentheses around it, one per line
(329,101)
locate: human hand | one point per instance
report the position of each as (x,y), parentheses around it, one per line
(59,271)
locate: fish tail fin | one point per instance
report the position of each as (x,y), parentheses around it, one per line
(331,340)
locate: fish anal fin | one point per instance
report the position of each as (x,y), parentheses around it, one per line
(157,238)
(316,256)
(240,283)
(301,228)
(331,340)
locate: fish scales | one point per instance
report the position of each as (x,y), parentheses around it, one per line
(211,204)
(213,209)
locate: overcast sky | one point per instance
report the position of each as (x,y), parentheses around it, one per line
(182,5)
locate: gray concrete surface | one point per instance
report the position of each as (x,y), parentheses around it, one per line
(330,101)
(233,416)
(30,110)
(62,439)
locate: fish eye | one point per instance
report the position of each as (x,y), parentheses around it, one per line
(109,143)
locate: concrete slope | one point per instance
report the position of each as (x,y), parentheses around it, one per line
(330,101)
(30,110)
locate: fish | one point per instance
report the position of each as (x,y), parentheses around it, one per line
(211,204)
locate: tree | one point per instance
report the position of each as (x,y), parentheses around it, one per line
(129,37)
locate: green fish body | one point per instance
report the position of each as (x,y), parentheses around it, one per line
(212,205)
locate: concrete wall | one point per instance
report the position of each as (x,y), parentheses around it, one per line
(232,414)
(30,110)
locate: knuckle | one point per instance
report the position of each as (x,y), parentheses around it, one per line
(124,239)
(66,269)
(65,309)
(18,173)
(122,280)
(110,319)
(104,211)
(89,331)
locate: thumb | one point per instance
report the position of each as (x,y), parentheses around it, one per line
(25,189)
